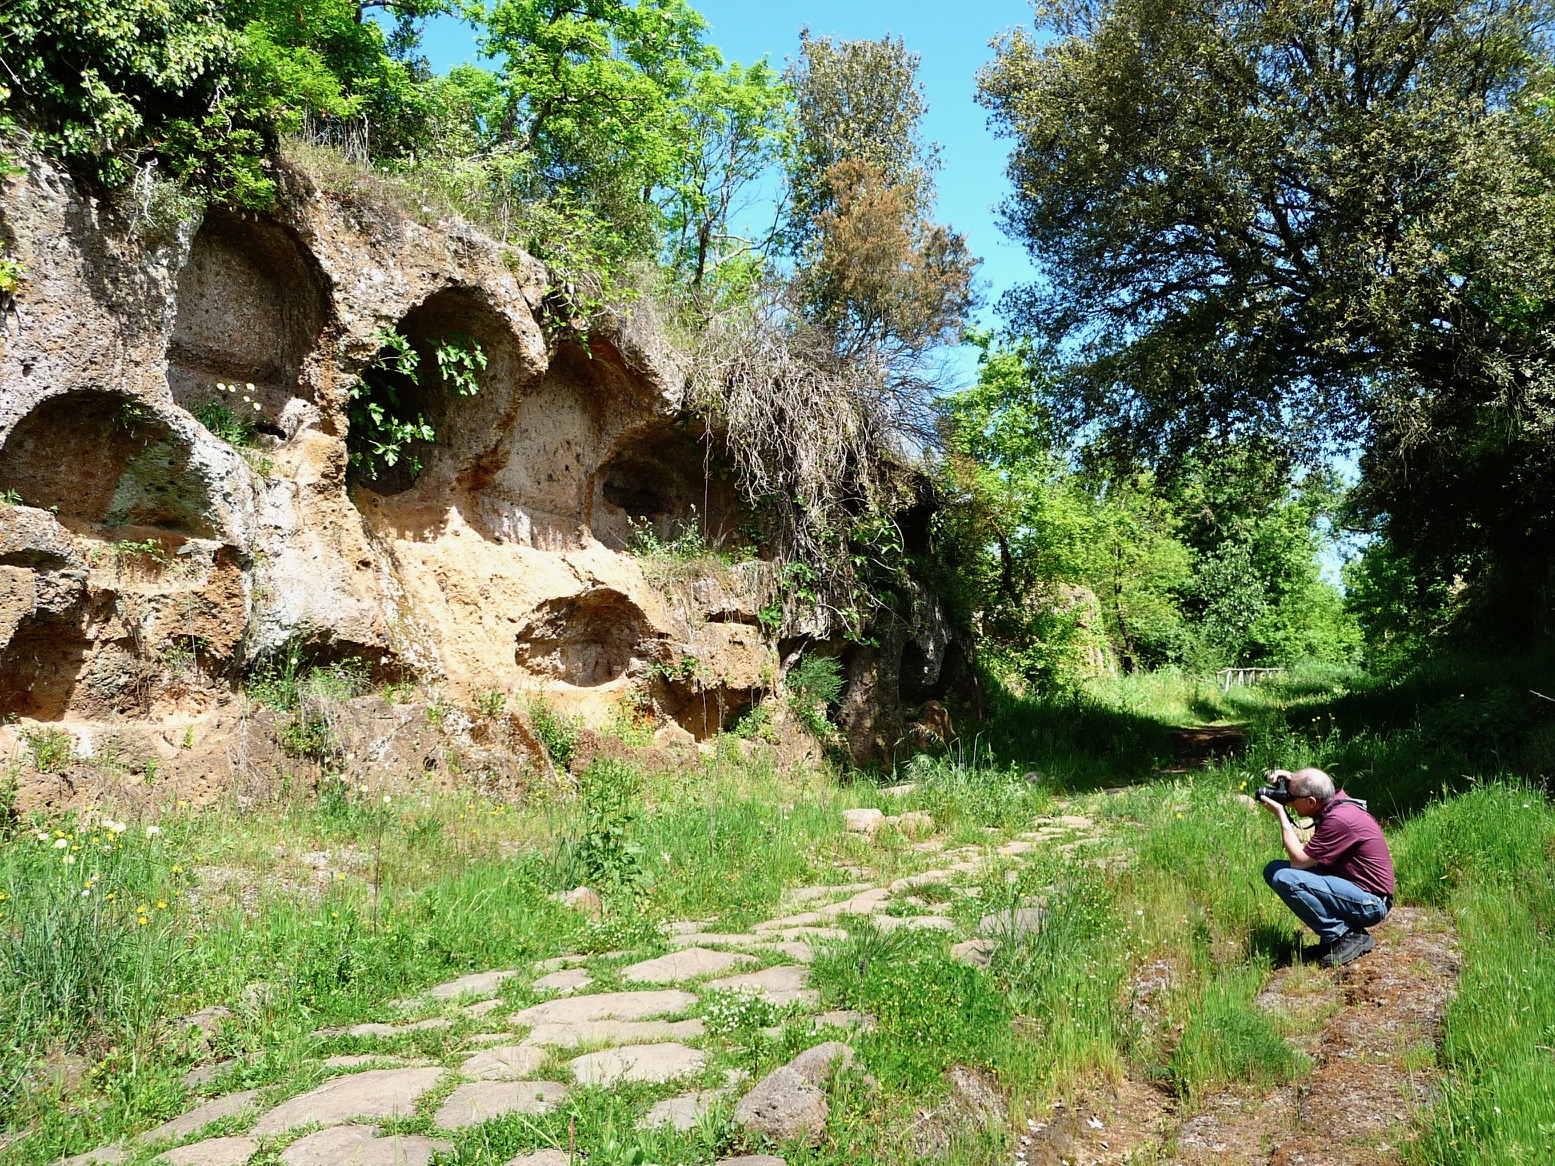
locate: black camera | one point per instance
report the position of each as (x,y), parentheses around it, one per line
(1278,789)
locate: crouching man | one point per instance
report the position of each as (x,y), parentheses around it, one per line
(1341,881)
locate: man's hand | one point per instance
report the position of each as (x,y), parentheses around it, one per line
(1275,807)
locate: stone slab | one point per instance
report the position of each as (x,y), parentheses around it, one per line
(753,1160)
(652,1063)
(102,1156)
(561,961)
(804,896)
(681,1112)
(211,1152)
(482,1101)
(605,1006)
(377,1029)
(357,1060)
(798,952)
(481,1009)
(375,1093)
(689,963)
(713,938)
(201,1116)
(845,1018)
(504,1062)
(783,984)
(361,1146)
(619,1032)
(476,984)
(915,923)
(565,980)
(542,1158)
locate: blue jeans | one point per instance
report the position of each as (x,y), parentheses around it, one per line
(1328,904)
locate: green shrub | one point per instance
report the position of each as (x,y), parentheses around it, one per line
(557,734)
(813,685)
(51,749)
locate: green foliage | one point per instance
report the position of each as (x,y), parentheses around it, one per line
(814,685)
(1202,194)
(387,426)
(556,732)
(605,855)
(226,421)
(1062,568)
(51,749)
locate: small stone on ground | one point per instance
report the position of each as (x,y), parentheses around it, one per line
(784,1106)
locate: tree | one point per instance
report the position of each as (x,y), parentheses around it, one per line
(855,101)
(594,101)
(884,282)
(1315,221)
(738,126)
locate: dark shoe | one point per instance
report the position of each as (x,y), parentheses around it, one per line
(1314,953)
(1347,949)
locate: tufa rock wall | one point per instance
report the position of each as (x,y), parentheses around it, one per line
(145,564)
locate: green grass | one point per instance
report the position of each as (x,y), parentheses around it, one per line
(342,901)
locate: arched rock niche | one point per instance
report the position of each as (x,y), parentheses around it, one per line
(586,640)
(108,467)
(471,432)
(251,304)
(74,641)
(660,479)
(560,435)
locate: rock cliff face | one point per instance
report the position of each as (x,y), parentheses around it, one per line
(145,563)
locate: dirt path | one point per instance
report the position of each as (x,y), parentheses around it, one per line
(1369,1030)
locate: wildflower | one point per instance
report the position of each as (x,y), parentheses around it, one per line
(387,799)
(142,921)
(153,831)
(119,827)
(112,895)
(69,860)
(61,843)
(86,893)
(43,835)
(178,870)
(161,904)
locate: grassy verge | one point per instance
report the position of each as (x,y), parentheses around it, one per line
(303,917)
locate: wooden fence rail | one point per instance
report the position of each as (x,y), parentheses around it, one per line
(1242,677)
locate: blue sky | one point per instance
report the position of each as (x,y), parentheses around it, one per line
(952,40)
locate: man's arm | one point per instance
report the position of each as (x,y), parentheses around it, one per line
(1289,838)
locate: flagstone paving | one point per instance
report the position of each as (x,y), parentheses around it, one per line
(361,1146)
(201,1116)
(504,1062)
(214,1152)
(642,1045)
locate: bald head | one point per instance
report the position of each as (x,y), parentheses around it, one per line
(1312,783)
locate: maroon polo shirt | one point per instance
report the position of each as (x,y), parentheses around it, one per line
(1349,843)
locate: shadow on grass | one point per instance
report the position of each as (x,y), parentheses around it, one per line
(1277,944)
(1077,740)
